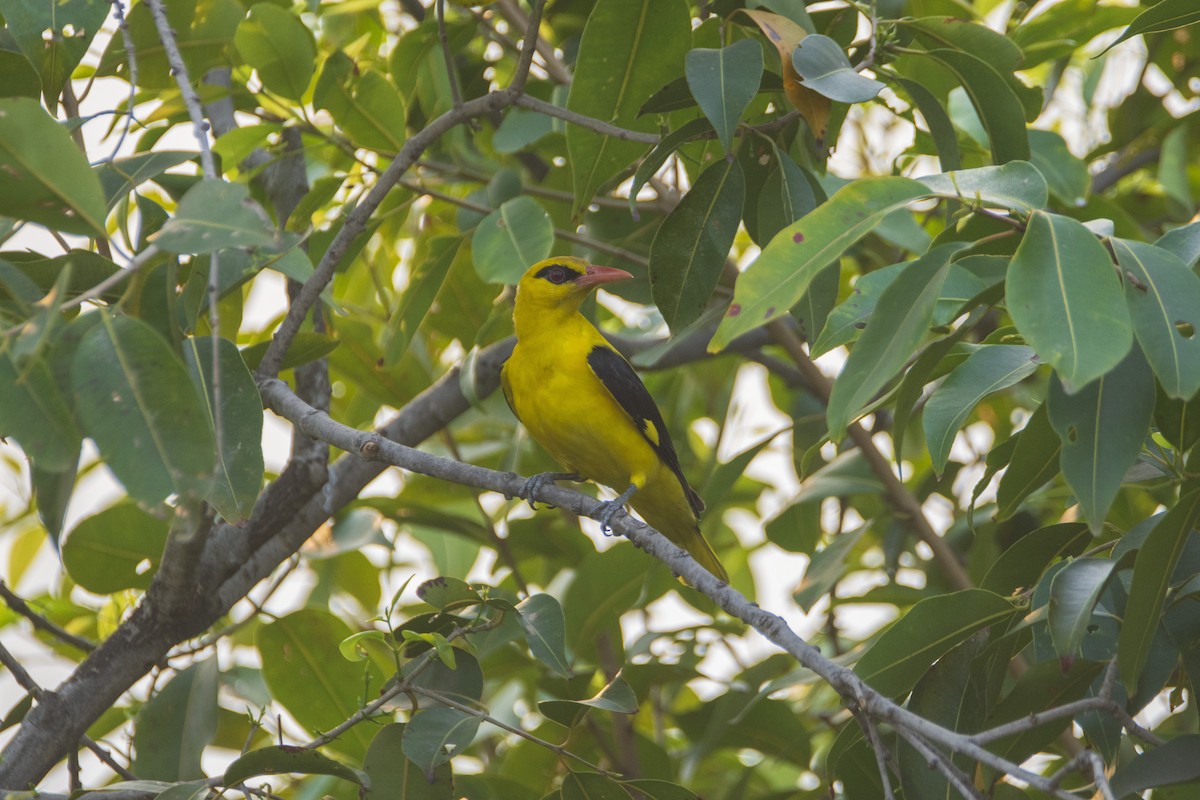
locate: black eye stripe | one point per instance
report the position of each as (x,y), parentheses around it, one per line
(558,273)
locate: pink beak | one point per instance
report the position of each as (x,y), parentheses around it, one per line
(594,276)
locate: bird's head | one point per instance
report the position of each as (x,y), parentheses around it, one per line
(562,282)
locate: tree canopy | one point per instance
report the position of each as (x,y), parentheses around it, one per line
(917,295)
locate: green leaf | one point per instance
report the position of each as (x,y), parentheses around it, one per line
(605,586)
(285,759)
(901,320)
(903,652)
(661,152)
(1184,242)
(448,594)
(35,413)
(783,271)
(629,49)
(175,725)
(945,137)
(122,175)
(203,30)
(591,786)
(1046,684)
(1066,301)
(689,250)
(396,778)
(827,567)
(1074,592)
(826,70)
(1066,175)
(987,370)
(724,82)
(239,467)
(1166,16)
(662,790)
(1152,570)
(1101,428)
(52,489)
(119,548)
(998,106)
(1020,566)
(969,37)
(43,176)
(304,673)
(435,735)
(542,620)
(511,239)
(1173,763)
(366,106)
(143,412)
(617,697)
(1164,301)
(54,35)
(18,78)
(1034,461)
(786,196)
(279,47)
(215,215)
(306,347)
(1017,185)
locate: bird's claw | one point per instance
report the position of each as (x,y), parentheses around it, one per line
(608,510)
(537,481)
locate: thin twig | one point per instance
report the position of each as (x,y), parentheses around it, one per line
(937,760)
(447,56)
(42,623)
(599,126)
(131,62)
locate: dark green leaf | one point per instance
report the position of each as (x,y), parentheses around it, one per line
(1017,185)
(690,247)
(36,414)
(724,82)
(901,320)
(18,77)
(1045,684)
(1066,301)
(122,175)
(902,654)
(1073,594)
(119,548)
(786,196)
(1035,460)
(987,370)
(783,271)
(425,281)
(54,35)
(616,697)
(143,412)
(1152,570)
(945,137)
(215,215)
(306,347)
(1166,16)
(305,674)
(435,735)
(826,70)
(175,725)
(279,47)
(1066,175)
(52,491)
(239,467)
(826,567)
(1020,566)
(542,620)
(1184,242)
(284,759)
(203,30)
(1164,302)
(366,106)
(994,100)
(661,152)
(392,777)
(1101,428)
(447,594)
(968,37)
(591,786)
(43,176)
(629,49)
(511,239)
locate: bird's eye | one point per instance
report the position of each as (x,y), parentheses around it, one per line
(556,275)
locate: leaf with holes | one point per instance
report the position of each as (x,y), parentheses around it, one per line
(1102,427)
(1074,592)
(1066,301)
(54,35)
(1164,302)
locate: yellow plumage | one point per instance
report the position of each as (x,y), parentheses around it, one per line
(582,401)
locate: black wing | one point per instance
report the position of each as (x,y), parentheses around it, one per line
(627,389)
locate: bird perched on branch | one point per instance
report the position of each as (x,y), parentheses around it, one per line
(582,401)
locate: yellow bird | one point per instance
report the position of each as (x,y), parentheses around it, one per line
(582,401)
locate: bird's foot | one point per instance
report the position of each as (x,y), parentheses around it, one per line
(609,509)
(542,478)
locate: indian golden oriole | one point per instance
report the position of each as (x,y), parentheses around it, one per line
(582,401)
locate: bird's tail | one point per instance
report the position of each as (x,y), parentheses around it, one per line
(686,534)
